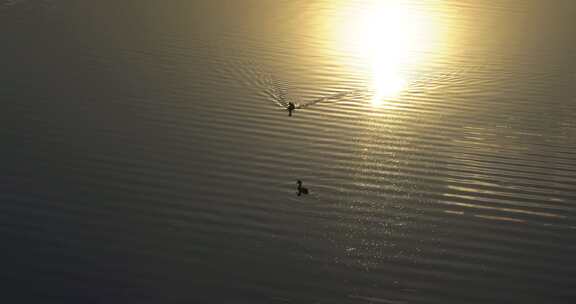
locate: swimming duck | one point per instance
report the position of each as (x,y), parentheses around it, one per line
(291,107)
(301,190)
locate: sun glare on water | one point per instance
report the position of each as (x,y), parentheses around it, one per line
(391,39)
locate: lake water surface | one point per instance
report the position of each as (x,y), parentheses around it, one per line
(147,156)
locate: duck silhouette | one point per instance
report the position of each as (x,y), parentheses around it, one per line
(291,107)
(301,190)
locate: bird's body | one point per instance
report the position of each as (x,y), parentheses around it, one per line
(301,190)
(291,107)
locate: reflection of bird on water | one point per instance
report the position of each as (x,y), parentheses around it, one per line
(301,190)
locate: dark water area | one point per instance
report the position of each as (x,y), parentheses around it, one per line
(147,157)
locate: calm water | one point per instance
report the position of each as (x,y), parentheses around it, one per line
(146,157)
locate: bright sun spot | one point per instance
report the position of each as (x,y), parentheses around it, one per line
(390,37)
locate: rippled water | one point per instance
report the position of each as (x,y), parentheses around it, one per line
(147,157)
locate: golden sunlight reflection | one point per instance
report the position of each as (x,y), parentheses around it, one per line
(390,38)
